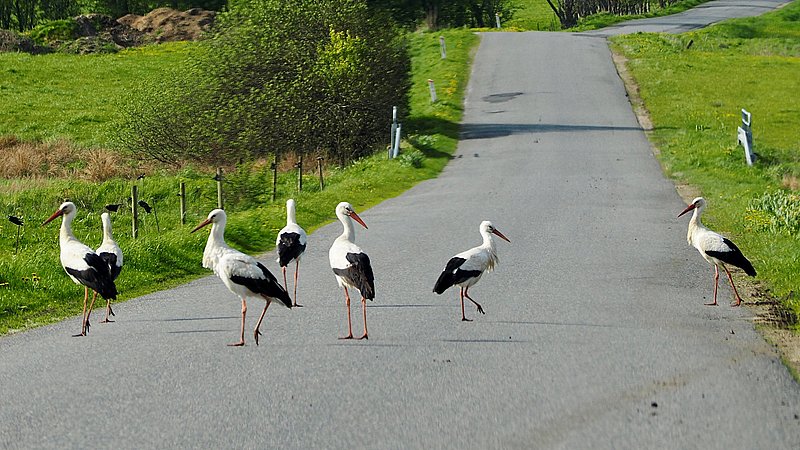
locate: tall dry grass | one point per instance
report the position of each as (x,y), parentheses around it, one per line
(60,159)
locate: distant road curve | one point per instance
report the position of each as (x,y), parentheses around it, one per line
(693,19)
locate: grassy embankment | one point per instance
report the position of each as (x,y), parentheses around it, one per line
(75,98)
(694,95)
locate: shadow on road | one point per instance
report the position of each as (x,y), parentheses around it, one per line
(494,130)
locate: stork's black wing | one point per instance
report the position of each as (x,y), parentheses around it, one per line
(359,274)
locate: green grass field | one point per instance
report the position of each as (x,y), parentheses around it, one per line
(57,95)
(34,289)
(694,96)
(532,15)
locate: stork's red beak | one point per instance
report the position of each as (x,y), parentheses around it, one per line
(498,233)
(358,219)
(201,225)
(688,208)
(55,214)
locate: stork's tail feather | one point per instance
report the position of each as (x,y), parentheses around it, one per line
(748,268)
(284,298)
(107,290)
(445,281)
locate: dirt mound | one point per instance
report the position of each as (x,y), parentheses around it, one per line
(166,24)
(99,33)
(14,42)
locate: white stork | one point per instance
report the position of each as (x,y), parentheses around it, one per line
(111,253)
(351,265)
(241,274)
(81,263)
(466,268)
(291,243)
(715,248)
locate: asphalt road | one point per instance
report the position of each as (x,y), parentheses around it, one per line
(595,333)
(698,17)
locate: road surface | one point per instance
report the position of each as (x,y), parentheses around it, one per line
(595,333)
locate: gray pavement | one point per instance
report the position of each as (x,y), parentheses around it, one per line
(595,333)
(693,19)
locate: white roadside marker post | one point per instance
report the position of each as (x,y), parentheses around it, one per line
(442,47)
(396,148)
(745,137)
(497,20)
(432,88)
(393,132)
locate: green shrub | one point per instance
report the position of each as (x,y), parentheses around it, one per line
(414,158)
(321,79)
(54,31)
(779,211)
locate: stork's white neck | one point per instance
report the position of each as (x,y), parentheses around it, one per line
(290,214)
(488,245)
(349,232)
(65,233)
(695,225)
(107,237)
(217,235)
(488,241)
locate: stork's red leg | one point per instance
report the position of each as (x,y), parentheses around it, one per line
(364,309)
(285,286)
(349,325)
(466,294)
(91,307)
(296,270)
(84,323)
(463,317)
(735,292)
(716,282)
(109,312)
(257,333)
(244,313)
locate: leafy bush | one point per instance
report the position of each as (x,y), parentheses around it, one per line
(779,211)
(320,79)
(414,158)
(53,31)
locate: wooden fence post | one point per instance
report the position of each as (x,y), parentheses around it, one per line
(321,180)
(135,209)
(274,168)
(182,195)
(220,204)
(299,166)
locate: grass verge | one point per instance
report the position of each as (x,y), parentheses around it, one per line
(34,290)
(694,94)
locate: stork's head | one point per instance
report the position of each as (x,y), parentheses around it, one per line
(487,227)
(66,209)
(215,216)
(345,209)
(698,203)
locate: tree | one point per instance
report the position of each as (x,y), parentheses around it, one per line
(276,77)
(58,9)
